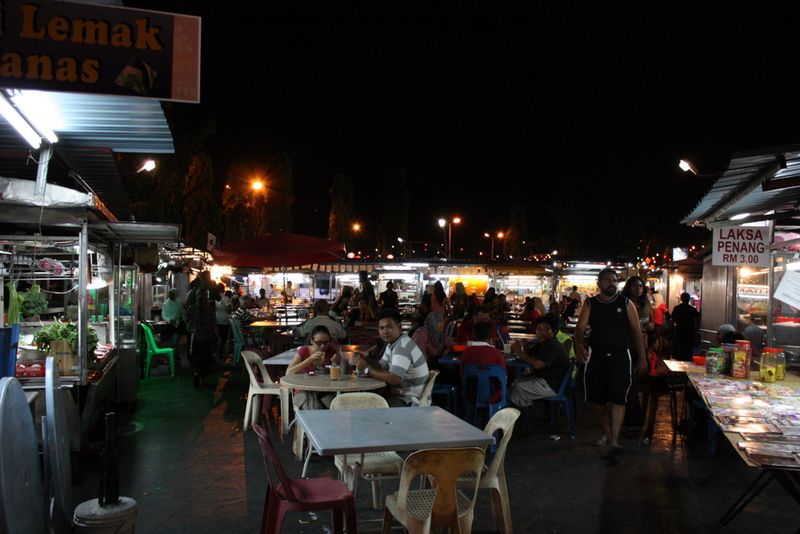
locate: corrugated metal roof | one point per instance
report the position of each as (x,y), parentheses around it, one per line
(94,127)
(742,170)
(132,232)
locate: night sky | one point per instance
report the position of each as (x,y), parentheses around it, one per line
(480,106)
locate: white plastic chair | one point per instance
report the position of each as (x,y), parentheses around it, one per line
(425,396)
(494,475)
(267,387)
(443,505)
(375,466)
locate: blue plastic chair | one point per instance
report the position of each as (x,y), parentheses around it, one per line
(239,342)
(451,391)
(9,340)
(481,375)
(566,395)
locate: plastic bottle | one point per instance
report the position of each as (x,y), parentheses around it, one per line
(727,351)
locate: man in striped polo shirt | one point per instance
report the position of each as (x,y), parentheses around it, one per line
(402,366)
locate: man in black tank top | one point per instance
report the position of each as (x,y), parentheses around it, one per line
(614,325)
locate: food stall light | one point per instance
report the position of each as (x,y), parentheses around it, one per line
(96,283)
(740,216)
(40,112)
(19,123)
(793,266)
(351,255)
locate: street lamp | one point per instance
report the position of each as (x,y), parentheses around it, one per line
(449,224)
(356,227)
(499,235)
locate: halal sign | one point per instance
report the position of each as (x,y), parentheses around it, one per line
(738,246)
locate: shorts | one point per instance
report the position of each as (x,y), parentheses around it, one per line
(607,377)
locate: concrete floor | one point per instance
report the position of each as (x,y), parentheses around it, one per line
(184,459)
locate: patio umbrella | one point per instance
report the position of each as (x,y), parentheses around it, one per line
(281,249)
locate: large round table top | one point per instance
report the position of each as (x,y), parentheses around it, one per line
(22,496)
(323,382)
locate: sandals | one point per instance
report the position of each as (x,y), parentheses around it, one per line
(602,441)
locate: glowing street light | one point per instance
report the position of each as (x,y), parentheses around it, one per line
(356,227)
(257,185)
(449,224)
(148,165)
(498,235)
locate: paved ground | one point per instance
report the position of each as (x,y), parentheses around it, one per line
(184,458)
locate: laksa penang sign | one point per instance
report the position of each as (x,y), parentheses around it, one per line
(60,46)
(737,246)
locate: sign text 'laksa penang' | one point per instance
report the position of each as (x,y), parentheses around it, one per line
(62,46)
(741,246)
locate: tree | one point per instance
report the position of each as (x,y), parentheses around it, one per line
(342,208)
(394,210)
(199,202)
(517,230)
(251,212)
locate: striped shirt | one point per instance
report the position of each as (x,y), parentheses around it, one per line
(243,315)
(405,359)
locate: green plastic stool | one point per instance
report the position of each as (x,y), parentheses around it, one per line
(154,350)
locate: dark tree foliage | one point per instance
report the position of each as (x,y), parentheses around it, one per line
(342,208)
(394,210)
(249,213)
(200,204)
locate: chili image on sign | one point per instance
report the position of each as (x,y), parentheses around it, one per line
(741,246)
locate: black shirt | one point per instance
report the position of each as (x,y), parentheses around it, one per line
(389,299)
(611,330)
(684,316)
(556,361)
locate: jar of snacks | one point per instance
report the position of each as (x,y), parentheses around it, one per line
(740,360)
(727,351)
(769,365)
(780,361)
(714,357)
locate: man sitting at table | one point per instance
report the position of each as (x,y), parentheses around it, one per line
(242,313)
(481,352)
(321,317)
(549,361)
(402,366)
(263,300)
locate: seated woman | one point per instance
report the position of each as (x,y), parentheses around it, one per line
(361,316)
(320,351)
(341,304)
(431,339)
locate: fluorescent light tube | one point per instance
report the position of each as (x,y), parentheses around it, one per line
(10,113)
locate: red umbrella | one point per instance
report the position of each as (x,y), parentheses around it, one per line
(281,249)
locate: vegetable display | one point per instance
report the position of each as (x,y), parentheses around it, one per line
(66,331)
(14,304)
(34,301)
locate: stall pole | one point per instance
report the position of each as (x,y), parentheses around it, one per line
(83,304)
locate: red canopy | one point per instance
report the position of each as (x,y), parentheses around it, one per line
(281,249)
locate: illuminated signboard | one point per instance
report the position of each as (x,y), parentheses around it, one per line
(60,46)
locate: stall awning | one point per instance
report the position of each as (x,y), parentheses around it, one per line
(93,128)
(755,182)
(133,232)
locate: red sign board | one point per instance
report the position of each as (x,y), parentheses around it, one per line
(61,46)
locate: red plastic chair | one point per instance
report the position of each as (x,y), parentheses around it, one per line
(303,495)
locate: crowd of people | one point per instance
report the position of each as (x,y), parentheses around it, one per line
(627,333)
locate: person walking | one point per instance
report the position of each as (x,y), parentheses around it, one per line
(204,328)
(614,323)
(388,298)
